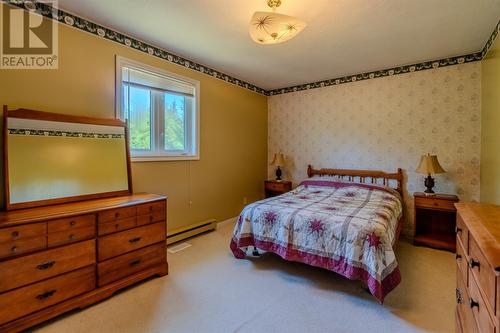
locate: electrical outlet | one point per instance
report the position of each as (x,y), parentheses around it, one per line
(190,203)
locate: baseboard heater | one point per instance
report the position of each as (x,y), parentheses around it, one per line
(191,230)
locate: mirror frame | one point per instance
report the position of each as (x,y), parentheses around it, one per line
(57,117)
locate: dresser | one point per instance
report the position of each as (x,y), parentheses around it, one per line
(478,268)
(60,257)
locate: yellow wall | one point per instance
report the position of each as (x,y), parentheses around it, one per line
(65,166)
(490,135)
(233,126)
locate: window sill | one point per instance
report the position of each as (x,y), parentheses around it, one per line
(163,158)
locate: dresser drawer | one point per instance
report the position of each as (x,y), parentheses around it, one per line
(130,240)
(130,263)
(71,236)
(40,266)
(116,214)
(156,216)
(71,223)
(23,231)
(23,245)
(22,301)
(478,307)
(435,203)
(464,311)
(462,261)
(151,207)
(462,233)
(483,272)
(115,226)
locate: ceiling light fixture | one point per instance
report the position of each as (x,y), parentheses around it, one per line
(273,28)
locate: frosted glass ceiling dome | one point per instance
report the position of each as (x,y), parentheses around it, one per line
(273,28)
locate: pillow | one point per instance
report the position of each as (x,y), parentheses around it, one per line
(330,178)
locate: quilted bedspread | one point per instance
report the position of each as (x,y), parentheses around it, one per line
(347,228)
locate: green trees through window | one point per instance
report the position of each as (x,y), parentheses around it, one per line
(138,103)
(175,122)
(138,106)
(162,112)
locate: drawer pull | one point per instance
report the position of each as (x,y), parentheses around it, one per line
(72,223)
(46,295)
(458,230)
(150,218)
(71,237)
(473,263)
(135,262)
(150,208)
(46,265)
(134,240)
(117,215)
(473,303)
(458,293)
(15,234)
(117,226)
(13,249)
(458,256)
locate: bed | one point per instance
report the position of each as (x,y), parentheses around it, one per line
(346,221)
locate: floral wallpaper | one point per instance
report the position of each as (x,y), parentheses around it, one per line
(384,124)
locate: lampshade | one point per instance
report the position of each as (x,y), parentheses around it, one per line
(278,160)
(274,28)
(429,164)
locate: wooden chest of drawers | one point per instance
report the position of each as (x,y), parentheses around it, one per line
(478,268)
(57,258)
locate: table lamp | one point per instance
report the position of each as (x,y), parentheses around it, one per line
(278,161)
(429,165)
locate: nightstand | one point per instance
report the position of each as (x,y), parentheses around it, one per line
(277,187)
(435,218)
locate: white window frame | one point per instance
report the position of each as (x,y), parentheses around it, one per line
(193,140)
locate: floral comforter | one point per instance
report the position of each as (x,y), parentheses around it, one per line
(347,228)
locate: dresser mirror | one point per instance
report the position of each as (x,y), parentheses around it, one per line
(53,158)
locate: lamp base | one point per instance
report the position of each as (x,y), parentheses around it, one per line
(429,184)
(278,173)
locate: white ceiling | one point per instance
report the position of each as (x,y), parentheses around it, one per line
(342,37)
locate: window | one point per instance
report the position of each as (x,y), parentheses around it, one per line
(162,111)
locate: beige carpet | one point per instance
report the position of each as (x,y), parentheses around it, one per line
(210,291)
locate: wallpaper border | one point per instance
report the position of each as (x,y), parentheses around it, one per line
(477,56)
(490,41)
(39,132)
(98,30)
(381,73)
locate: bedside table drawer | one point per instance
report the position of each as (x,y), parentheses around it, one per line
(275,187)
(435,203)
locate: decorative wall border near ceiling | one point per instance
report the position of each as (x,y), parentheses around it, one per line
(72,20)
(477,56)
(490,41)
(98,30)
(381,73)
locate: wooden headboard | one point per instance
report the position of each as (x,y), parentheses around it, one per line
(362,176)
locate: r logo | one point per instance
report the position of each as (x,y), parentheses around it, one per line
(25,32)
(29,40)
